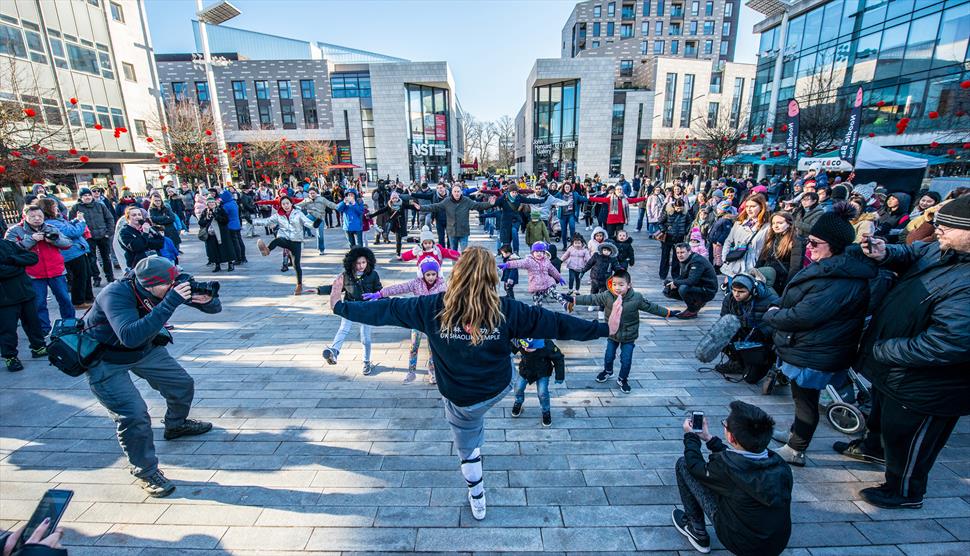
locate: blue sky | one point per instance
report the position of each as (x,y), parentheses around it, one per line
(490,45)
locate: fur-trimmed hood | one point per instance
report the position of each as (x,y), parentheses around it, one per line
(350,260)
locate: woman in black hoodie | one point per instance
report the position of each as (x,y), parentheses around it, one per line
(470,329)
(894,218)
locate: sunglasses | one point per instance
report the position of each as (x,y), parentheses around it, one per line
(815,243)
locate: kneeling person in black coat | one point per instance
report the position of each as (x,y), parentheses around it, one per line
(749,300)
(743,487)
(539,358)
(696,283)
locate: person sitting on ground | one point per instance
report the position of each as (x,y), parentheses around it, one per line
(539,359)
(744,487)
(695,285)
(749,299)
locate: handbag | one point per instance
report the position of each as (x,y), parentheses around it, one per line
(660,236)
(204,233)
(71,349)
(739,251)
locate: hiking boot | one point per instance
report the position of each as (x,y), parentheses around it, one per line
(156,485)
(330,355)
(368,368)
(263,248)
(624,385)
(603,376)
(699,538)
(284,268)
(477,504)
(39,352)
(13,364)
(97,282)
(516,409)
(687,315)
(298,290)
(412,374)
(546,419)
(882,497)
(218,268)
(232,266)
(792,456)
(854,450)
(190,427)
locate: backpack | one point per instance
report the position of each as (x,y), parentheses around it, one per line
(70,349)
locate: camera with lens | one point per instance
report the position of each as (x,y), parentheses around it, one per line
(52,236)
(210,288)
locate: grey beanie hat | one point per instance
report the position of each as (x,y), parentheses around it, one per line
(155,271)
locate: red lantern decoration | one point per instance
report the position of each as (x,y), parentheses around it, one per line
(73,152)
(761,136)
(934,144)
(961,113)
(33,162)
(3,169)
(149,139)
(904,121)
(871,134)
(951,152)
(763,157)
(186,159)
(73,100)
(769,130)
(881,103)
(30,112)
(965,84)
(808,153)
(84,159)
(933,115)
(51,157)
(784,127)
(208,132)
(98,127)
(966,145)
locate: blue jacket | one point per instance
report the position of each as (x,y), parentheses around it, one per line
(353,215)
(75,232)
(576,206)
(232,209)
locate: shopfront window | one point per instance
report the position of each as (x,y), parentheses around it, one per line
(429,144)
(555,128)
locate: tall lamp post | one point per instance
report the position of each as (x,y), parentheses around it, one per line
(216,14)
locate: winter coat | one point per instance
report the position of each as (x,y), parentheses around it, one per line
(803,226)
(915,347)
(720,230)
(290,226)
(415,286)
(456,214)
(741,235)
(536,230)
(593,245)
(50,261)
(509,273)
(74,230)
(398,218)
(676,225)
(316,208)
(232,210)
(654,208)
(542,275)
(98,218)
(15,285)
(576,259)
(891,224)
(768,258)
(509,208)
(633,303)
(165,217)
(574,201)
(601,268)
(865,226)
(625,255)
(822,312)
(751,312)
(137,244)
(122,206)
(219,248)
(618,207)
(541,363)
(753,496)
(188,199)
(178,207)
(438,253)
(353,215)
(698,272)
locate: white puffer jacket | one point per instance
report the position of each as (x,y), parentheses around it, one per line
(290,227)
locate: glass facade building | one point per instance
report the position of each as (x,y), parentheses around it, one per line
(429,143)
(909,56)
(555,127)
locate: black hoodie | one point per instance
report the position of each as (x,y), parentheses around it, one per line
(753,496)
(624,254)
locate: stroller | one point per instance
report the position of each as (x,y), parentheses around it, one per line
(848,406)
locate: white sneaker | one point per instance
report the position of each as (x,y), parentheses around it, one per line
(590,309)
(601,315)
(477,505)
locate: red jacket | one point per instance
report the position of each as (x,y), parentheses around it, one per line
(50,261)
(619,212)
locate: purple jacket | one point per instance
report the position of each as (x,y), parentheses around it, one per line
(542,275)
(576,259)
(417,286)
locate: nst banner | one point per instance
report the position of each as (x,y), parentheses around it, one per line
(848,149)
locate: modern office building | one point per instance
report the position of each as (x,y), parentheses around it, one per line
(575,121)
(910,58)
(387,116)
(633,33)
(98,52)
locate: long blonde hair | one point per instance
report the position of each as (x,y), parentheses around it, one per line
(471,301)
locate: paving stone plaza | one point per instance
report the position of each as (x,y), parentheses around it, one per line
(307,458)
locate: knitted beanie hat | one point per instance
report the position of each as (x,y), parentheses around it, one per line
(430,265)
(540,246)
(83,191)
(840,193)
(427,235)
(718,194)
(155,271)
(834,228)
(955,213)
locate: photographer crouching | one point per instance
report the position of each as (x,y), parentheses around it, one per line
(128,321)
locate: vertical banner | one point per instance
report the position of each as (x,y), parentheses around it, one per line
(791,142)
(847,151)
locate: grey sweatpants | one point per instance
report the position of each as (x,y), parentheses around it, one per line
(113,387)
(468,423)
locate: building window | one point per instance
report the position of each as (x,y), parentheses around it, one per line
(596,28)
(555,127)
(676,10)
(57,48)
(716,79)
(644,47)
(95,3)
(709,9)
(658,47)
(83,59)
(728,9)
(628,11)
(611,9)
(670,93)
(429,143)
(645,29)
(350,85)
(117,118)
(660,8)
(695,8)
(105,59)
(690,49)
(239,90)
(658,28)
(736,101)
(262,90)
(141,129)
(626,68)
(265,118)
(179,91)
(308,88)
(712,110)
(724,47)
(283,87)
(708,47)
(596,44)
(104,117)
(726,29)
(202,92)
(674,47)
(626,30)
(687,102)
(289,118)
(708,27)
(242,115)
(693,27)
(117,13)
(646,8)
(597,11)
(609,28)
(675,29)
(129,71)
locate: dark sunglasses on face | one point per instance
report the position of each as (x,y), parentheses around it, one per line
(815,243)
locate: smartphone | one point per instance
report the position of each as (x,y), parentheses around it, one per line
(52,505)
(697,421)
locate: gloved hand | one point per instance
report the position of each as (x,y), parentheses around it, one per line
(503,266)
(372,296)
(673,313)
(562,281)
(317,222)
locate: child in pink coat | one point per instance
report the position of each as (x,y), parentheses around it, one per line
(428,249)
(429,283)
(543,277)
(576,258)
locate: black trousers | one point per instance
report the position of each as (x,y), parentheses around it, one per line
(102,247)
(806,416)
(611,230)
(236,237)
(911,440)
(668,260)
(296,250)
(26,313)
(79,280)
(694,297)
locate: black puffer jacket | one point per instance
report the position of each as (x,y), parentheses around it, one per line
(675,225)
(822,312)
(697,271)
(99,219)
(916,347)
(356,286)
(601,267)
(541,363)
(751,312)
(15,286)
(624,254)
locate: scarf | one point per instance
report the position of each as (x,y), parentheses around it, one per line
(214,231)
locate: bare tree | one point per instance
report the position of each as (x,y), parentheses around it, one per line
(488,134)
(822,117)
(190,141)
(665,154)
(714,141)
(505,126)
(469,133)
